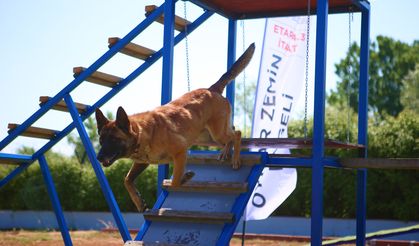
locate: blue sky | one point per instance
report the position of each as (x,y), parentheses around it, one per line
(43,40)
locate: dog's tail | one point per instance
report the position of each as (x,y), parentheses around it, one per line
(235,70)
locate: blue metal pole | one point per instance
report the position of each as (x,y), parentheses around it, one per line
(106,189)
(167,76)
(231,58)
(55,201)
(361,201)
(25,161)
(318,125)
(13,174)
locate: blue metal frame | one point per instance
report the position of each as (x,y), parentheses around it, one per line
(319,121)
(241,201)
(361,201)
(160,200)
(55,201)
(104,185)
(25,161)
(167,76)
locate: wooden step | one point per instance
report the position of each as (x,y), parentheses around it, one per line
(212,159)
(165,214)
(12,159)
(180,23)
(35,132)
(62,106)
(99,77)
(381,163)
(141,243)
(207,186)
(132,49)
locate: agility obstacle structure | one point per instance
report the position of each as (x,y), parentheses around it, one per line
(211,218)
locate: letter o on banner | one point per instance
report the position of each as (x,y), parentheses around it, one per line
(258,200)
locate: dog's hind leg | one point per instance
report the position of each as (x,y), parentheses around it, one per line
(228,138)
(179,164)
(136,169)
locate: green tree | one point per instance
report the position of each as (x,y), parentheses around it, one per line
(410,94)
(243,108)
(390,62)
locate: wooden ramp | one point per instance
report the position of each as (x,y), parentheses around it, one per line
(372,235)
(206,210)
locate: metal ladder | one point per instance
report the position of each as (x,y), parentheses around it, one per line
(205,210)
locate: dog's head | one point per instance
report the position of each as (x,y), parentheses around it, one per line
(116,137)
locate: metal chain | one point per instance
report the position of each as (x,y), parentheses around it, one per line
(348,88)
(186,47)
(244,80)
(307,65)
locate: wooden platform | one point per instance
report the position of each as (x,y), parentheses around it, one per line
(188,216)
(208,187)
(246,9)
(287,143)
(62,106)
(132,49)
(35,132)
(99,78)
(212,159)
(180,23)
(381,163)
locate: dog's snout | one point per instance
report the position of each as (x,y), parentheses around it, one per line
(99,156)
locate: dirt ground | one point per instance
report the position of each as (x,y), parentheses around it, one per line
(94,238)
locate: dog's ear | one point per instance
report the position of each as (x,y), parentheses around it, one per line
(122,120)
(101,120)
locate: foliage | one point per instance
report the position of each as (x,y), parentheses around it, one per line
(391,194)
(410,93)
(77,186)
(390,62)
(243,108)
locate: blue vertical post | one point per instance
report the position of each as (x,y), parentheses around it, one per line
(103,182)
(167,76)
(231,58)
(318,127)
(55,201)
(361,201)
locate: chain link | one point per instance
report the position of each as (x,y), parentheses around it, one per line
(307,65)
(244,81)
(185,14)
(348,87)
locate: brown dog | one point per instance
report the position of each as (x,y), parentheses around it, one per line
(164,134)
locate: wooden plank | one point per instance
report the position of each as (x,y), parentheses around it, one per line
(180,23)
(249,9)
(371,235)
(212,159)
(165,214)
(132,49)
(34,132)
(62,106)
(99,77)
(288,143)
(381,163)
(207,186)
(141,243)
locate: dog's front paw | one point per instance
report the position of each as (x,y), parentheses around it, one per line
(187,176)
(236,164)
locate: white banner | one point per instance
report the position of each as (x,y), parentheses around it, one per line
(280,83)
